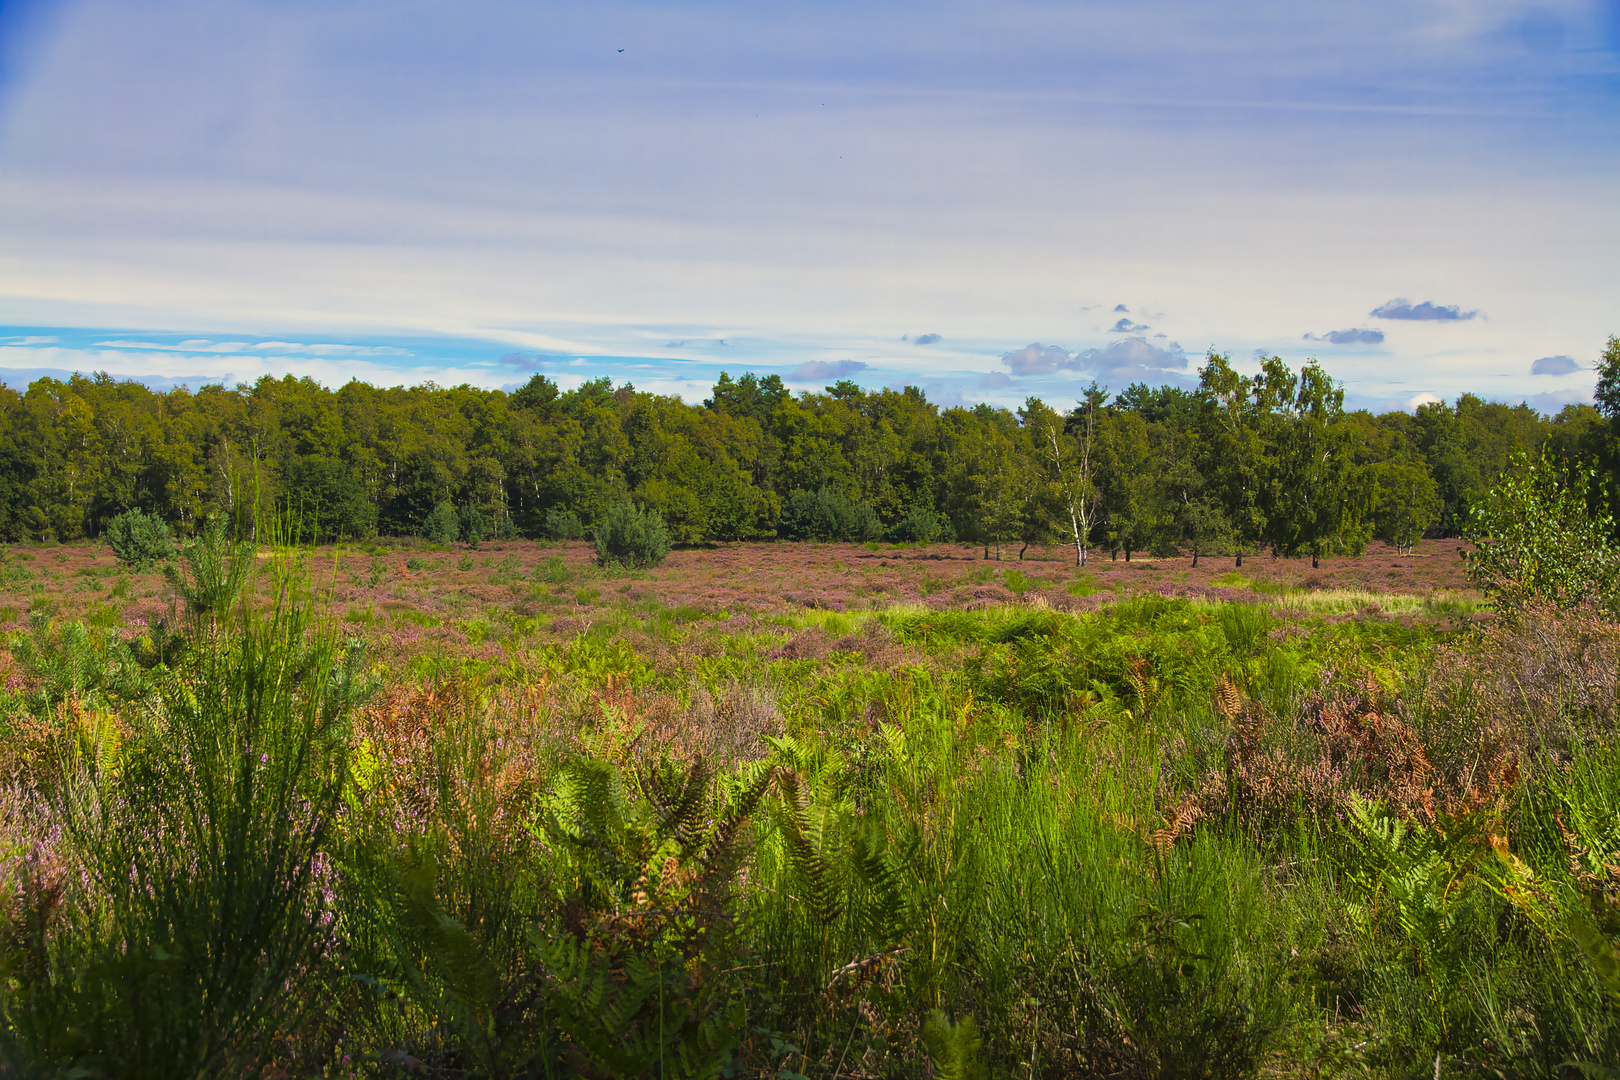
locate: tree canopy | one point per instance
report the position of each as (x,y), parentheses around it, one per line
(1235,464)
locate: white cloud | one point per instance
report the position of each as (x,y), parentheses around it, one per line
(260,348)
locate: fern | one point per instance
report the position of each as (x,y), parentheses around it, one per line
(627,1015)
(953,1048)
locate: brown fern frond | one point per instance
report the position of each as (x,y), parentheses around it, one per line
(1228,698)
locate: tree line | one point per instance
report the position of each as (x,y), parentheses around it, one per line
(1238,464)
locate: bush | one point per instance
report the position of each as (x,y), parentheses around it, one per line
(442,525)
(828,515)
(563,525)
(922,526)
(631,537)
(138,539)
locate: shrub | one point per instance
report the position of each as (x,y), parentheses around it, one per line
(212,572)
(923,526)
(1535,537)
(563,525)
(828,514)
(442,525)
(138,539)
(631,537)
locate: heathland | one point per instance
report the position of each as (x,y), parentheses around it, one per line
(797,810)
(1211,733)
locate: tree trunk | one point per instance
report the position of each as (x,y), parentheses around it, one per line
(1022,550)
(1240,558)
(1195,558)
(1314,563)
(1127,553)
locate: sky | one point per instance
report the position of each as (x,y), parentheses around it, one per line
(986,200)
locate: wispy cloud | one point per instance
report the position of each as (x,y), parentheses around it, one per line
(256,348)
(1402,308)
(995,380)
(525,361)
(927,339)
(822,370)
(1118,308)
(1348,337)
(1555,365)
(1126,326)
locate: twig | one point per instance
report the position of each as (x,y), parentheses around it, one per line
(857,965)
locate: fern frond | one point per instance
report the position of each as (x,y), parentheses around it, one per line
(808,861)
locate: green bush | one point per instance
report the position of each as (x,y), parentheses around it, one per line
(442,525)
(138,539)
(1536,539)
(631,537)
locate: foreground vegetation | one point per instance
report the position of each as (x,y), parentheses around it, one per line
(1168,836)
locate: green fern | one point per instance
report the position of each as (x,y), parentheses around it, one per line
(626,1015)
(953,1048)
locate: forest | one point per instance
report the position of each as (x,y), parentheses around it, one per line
(1241,463)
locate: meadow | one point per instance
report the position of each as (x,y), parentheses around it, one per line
(797,810)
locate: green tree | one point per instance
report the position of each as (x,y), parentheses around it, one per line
(1065,452)
(1317,496)
(1235,452)
(1407,502)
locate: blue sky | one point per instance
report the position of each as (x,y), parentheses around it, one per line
(986,199)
